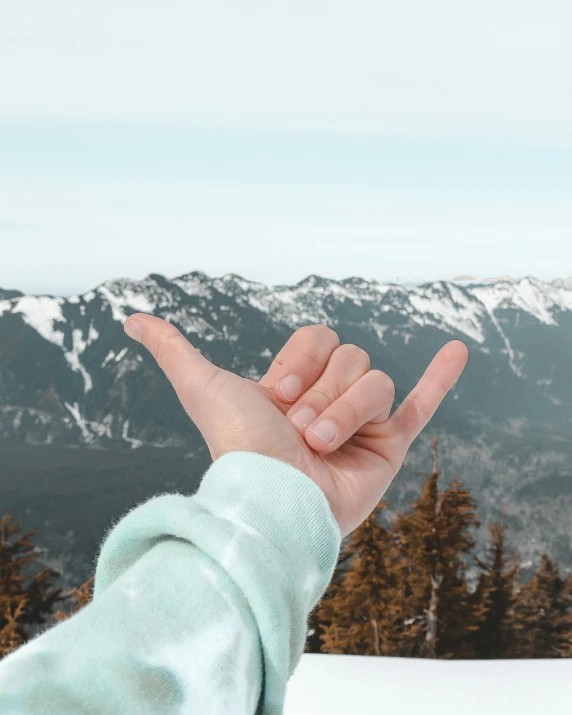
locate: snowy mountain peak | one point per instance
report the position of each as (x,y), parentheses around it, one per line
(315,281)
(70,375)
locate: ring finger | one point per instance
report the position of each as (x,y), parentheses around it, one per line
(345,366)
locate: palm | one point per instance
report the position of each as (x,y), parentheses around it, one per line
(349,476)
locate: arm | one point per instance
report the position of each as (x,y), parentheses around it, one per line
(200,603)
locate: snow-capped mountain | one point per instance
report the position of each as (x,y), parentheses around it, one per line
(69,375)
(67,366)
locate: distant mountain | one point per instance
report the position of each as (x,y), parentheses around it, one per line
(4,294)
(463,278)
(70,377)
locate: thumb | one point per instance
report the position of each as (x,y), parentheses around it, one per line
(187,370)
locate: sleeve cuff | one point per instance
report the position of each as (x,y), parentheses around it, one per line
(268,525)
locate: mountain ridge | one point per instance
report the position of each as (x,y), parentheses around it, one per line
(69,375)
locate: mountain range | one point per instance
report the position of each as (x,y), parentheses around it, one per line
(82,405)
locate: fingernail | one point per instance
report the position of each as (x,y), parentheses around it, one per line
(133,329)
(290,387)
(325,430)
(303,417)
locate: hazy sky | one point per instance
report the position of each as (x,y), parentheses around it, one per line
(389,140)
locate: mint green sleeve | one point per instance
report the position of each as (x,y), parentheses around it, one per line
(200,603)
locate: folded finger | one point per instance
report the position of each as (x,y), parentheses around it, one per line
(365,400)
(346,365)
(300,362)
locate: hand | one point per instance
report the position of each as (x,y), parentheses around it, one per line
(335,381)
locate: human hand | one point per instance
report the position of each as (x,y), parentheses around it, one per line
(234,413)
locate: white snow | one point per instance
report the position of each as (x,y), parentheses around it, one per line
(379,329)
(18,419)
(110,356)
(191,323)
(134,442)
(104,427)
(72,357)
(192,286)
(538,298)
(443,304)
(76,365)
(358,685)
(92,334)
(457,312)
(41,312)
(127,298)
(81,423)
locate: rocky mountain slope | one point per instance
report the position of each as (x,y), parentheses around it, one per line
(69,376)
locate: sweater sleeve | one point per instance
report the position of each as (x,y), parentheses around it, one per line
(200,603)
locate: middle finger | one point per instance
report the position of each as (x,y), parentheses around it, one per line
(346,365)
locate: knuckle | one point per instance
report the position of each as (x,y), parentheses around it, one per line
(324,392)
(321,332)
(310,357)
(435,382)
(385,381)
(353,412)
(420,407)
(358,356)
(165,348)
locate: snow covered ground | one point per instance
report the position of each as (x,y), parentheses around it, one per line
(359,685)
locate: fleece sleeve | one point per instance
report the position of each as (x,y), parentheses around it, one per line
(200,603)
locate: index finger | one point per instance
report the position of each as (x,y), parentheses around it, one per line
(422,402)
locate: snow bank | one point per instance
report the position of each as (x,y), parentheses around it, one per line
(359,685)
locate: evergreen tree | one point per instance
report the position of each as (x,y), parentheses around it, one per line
(433,539)
(543,614)
(357,615)
(494,599)
(314,642)
(11,611)
(82,597)
(567,620)
(25,599)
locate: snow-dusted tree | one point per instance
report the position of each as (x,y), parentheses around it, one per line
(543,614)
(25,598)
(494,598)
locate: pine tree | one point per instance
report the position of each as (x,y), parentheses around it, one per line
(11,611)
(432,540)
(82,597)
(314,642)
(357,616)
(543,614)
(567,620)
(25,599)
(494,599)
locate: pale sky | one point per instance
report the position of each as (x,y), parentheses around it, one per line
(408,140)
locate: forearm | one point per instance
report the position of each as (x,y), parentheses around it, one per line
(172,634)
(200,603)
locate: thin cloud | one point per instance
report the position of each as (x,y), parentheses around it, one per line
(442,69)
